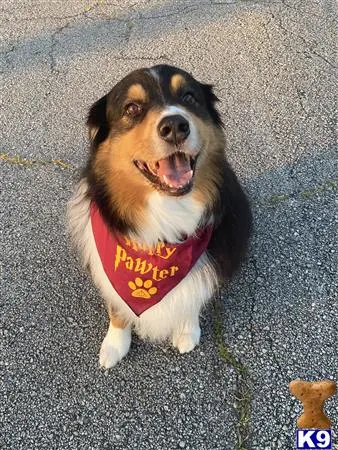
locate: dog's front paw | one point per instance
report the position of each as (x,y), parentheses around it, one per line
(187,341)
(109,355)
(114,346)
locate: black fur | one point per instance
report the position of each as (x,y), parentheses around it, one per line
(211,100)
(97,119)
(229,241)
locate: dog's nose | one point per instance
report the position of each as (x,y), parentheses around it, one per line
(174,129)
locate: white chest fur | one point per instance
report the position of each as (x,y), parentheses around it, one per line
(168,218)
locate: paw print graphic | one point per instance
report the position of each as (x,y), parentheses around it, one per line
(142,289)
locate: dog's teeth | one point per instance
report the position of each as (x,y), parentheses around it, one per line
(167,181)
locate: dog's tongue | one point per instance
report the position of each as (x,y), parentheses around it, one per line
(175,170)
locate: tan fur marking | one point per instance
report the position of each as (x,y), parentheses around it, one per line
(176,82)
(114,164)
(208,172)
(137,92)
(142,135)
(117,321)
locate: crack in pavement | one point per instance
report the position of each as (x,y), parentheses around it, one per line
(185,10)
(243,2)
(309,47)
(273,354)
(322,57)
(304,194)
(142,58)
(54,42)
(243,393)
(84,13)
(301,95)
(6,54)
(281,371)
(303,11)
(29,163)
(130,26)
(288,424)
(252,287)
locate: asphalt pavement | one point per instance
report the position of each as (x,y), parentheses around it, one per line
(274,67)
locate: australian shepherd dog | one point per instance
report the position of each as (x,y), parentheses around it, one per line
(158,216)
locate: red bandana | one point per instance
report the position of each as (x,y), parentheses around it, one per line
(142,276)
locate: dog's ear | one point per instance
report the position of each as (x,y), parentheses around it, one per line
(211,100)
(97,122)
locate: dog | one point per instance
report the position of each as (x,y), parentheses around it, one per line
(158,217)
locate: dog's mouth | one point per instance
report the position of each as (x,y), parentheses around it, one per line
(173,175)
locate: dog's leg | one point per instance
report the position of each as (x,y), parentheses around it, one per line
(116,343)
(187,337)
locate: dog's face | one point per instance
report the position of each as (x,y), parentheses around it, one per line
(156,129)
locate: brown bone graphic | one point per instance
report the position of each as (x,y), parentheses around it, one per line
(313,396)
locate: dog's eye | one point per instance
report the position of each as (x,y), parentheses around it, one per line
(133,109)
(190,99)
